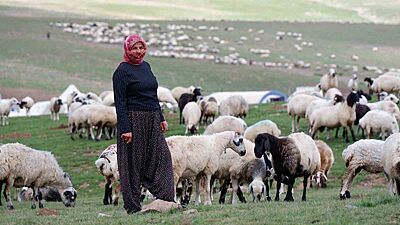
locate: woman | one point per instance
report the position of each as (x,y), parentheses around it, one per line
(143,154)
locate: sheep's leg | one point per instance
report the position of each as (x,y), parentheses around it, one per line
(347,180)
(223,190)
(99,132)
(9,184)
(197,200)
(267,191)
(208,190)
(180,116)
(278,187)
(337,132)
(289,195)
(293,124)
(235,184)
(352,133)
(240,195)
(37,196)
(187,192)
(117,192)
(107,193)
(298,124)
(304,198)
(397,181)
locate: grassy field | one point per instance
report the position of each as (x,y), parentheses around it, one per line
(370,203)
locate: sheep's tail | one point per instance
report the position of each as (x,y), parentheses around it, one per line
(347,155)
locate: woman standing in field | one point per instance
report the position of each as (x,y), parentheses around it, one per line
(143,154)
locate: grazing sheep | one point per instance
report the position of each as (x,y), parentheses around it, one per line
(226,123)
(257,189)
(209,108)
(297,108)
(329,80)
(331,93)
(327,159)
(107,166)
(379,121)
(21,166)
(101,117)
(185,98)
(195,156)
(55,105)
(391,163)
(5,108)
(234,105)
(191,117)
(292,156)
(164,95)
(263,126)
(388,83)
(363,154)
(27,103)
(49,194)
(342,114)
(178,91)
(352,83)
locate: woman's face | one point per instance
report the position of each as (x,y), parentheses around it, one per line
(137,51)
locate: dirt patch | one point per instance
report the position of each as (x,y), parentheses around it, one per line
(19,93)
(62,126)
(15,135)
(47,212)
(84,185)
(373,180)
(279,107)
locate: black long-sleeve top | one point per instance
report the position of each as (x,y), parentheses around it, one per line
(135,89)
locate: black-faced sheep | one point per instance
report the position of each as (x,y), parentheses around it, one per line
(55,105)
(27,103)
(292,156)
(21,166)
(185,98)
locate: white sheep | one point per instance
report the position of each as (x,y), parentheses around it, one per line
(103,94)
(196,155)
(22,166)
(391,163)
(263,126)
(388,83)
(297,107)
(391,97)
(101,117)
(292,156)
(257,189)
(27,103)
(379,121)
(209,109)
(316,104)
(70,98)
(107,165)
(387,106)
(363,154)
(191,116)
(5,108)
(226,123)
(332,92)
(109,100)
(55,105)
(327,159)
(165,95)
(329,80)
(178,91)
(352,84)
(234,105)
(93,97)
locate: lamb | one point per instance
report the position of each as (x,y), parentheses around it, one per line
(327,159)
(194,156)
(22,166)
(387,106)
(363,154)
(226,123)
(328,80)
(341,114)
(234,105)
(391,163)
(332,92)
(185,98)
(5,108)
(27,102)
(178,91)
(294,156)
(108,167)
(379,121)
(352,83)
(191,116)
(55,105)
(263,126)
(297,108)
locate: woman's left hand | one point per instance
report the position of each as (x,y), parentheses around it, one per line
(164,126)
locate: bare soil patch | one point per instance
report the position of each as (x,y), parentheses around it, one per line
(373,180)
(62,126)
(15,135)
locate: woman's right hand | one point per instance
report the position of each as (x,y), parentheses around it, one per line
(127,137)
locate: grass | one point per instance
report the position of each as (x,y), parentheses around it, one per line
(370,203)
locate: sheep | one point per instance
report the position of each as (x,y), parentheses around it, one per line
(364,97)
(332,92)
(352,83)
(22,166)
(379,121)
(27,102)
(387,106)
(164,95)
(103,94)
(55,105)
(361,110)
(178,91)
(297,108)
(327,159)
(193,156)
(382,95)
(49,194)
(109,100)
(5,108)
(185,98)
(191,116)
(78,120)
(263,126)
(107,166)
(209,108)
(314,91)
(316,104)
(101,117)
(292,156)
(92,96)
(342,114)
(388,83)
(257,189)
(225,123)
(70,98)
(329,80)
(234,105)
(362,154)
(391,163)
(391,97)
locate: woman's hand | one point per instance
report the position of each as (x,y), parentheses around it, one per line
(127,137)
(164,126)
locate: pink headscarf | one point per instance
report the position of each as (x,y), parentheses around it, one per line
(134,59)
